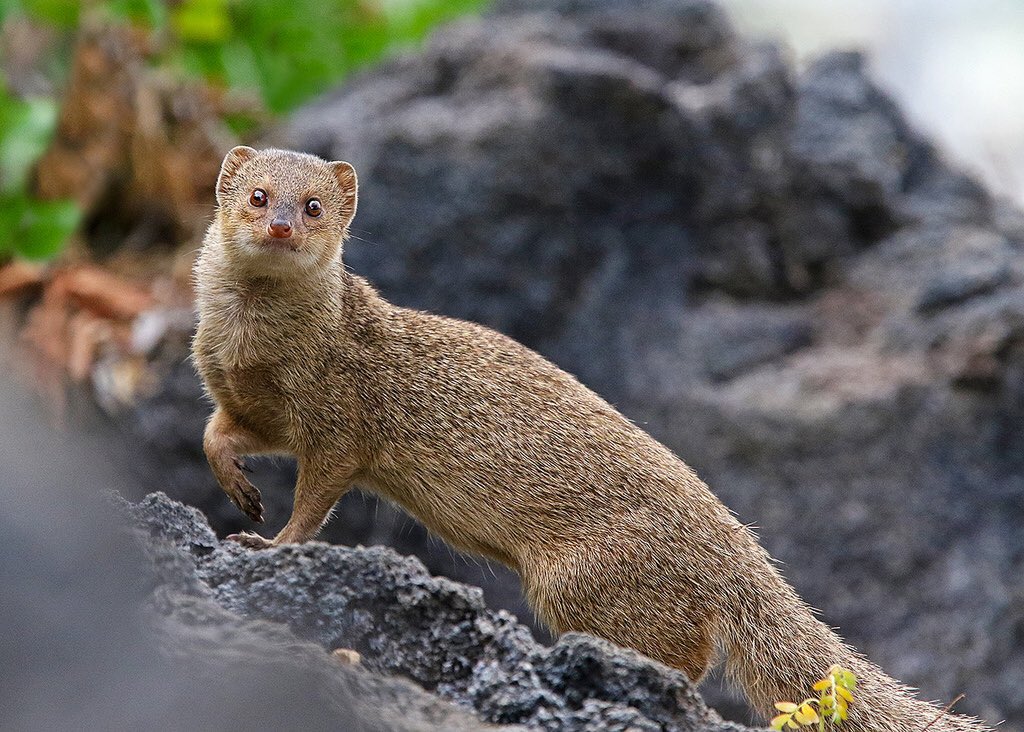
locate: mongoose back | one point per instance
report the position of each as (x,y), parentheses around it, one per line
(491,446)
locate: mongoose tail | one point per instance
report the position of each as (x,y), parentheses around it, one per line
(777,656)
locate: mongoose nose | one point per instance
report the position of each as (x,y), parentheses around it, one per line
(280,229)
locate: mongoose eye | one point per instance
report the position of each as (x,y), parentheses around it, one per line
(313,207)
(258,198)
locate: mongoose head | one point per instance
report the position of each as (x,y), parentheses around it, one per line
(284,213)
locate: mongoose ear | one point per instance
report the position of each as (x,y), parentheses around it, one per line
(232,162)
(345,174)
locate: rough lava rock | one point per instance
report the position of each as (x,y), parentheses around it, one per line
(771,271)
(404,623)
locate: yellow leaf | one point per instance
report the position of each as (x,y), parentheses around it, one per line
(806,714)
(822,685)
(792,725)
(845,693)
(780,721)
(788,707)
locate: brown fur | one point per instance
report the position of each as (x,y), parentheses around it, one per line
(492,447)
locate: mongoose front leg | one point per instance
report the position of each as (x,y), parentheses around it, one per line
(318,488)
(225,442)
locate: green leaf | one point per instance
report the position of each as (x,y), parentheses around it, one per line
(61,13)
(152,13)
(46,227)
(25,131)
(806,714)
(241,66)
(202,21)
(12,212)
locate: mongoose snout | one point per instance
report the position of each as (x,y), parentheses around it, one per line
(280,228)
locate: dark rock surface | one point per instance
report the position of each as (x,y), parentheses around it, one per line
(771,271)
(408,624)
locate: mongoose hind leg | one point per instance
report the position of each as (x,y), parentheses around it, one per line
(224,443)
(604,592)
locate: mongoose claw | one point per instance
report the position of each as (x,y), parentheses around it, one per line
(247,497)
(251,540)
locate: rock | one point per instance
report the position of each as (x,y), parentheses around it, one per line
(771,271)
(387,611)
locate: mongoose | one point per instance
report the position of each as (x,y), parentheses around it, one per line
(491,446)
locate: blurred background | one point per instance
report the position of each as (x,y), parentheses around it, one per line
(800,268)
(954,67)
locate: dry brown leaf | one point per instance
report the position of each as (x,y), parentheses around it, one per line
(18,277)
(102,293)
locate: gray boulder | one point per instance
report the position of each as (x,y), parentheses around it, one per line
(405,623)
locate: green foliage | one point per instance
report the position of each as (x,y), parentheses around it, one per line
(152,13)
(830,707)
(29,227)
(60,13)
(285,50)
(291,52)
(27,128)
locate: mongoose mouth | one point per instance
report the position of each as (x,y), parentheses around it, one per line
(275,243)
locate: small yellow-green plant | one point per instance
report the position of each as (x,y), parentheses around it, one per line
(830,707)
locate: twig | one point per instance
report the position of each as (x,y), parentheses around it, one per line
(943,713)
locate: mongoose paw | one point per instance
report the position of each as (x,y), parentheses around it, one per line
(247,497)
(251,540)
